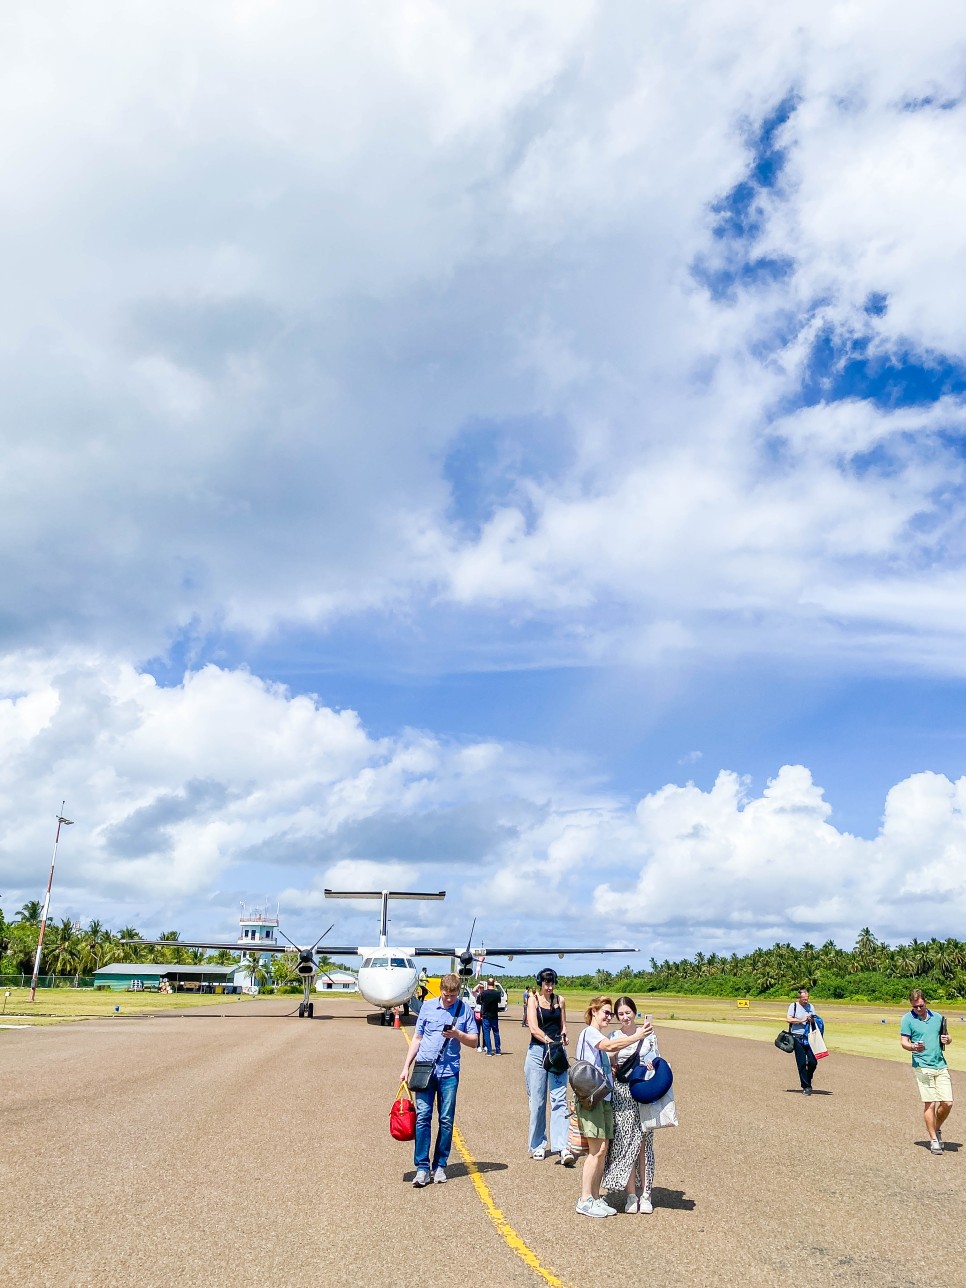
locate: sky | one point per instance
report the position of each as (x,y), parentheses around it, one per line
(516,449)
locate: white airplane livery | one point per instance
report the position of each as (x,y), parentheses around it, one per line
(388,976)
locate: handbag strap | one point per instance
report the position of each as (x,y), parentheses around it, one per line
(622,1068)
(404,1086)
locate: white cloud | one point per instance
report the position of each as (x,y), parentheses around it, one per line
(281,272)
(192,798)
(725,867)
(265,283)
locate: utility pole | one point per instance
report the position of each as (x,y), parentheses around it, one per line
(61,822)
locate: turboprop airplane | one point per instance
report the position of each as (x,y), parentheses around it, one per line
(388,976)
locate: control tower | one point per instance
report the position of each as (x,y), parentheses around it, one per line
(256,926)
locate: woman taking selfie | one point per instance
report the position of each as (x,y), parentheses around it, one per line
(597,1124)
(630,1157)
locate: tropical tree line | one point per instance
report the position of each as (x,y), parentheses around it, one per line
(870,971)
(73,951)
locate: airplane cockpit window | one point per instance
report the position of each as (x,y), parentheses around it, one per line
(367,962)
(380,961)
(400,961)
(410,965)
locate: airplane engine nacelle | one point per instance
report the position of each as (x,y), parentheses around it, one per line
(305,967)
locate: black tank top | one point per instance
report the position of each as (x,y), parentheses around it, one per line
(549,1019)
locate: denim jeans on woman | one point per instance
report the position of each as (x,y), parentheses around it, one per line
(444,1091)
(539,1082)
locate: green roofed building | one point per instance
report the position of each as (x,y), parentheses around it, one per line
(163,977)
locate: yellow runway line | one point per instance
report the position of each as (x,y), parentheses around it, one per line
(499,1222)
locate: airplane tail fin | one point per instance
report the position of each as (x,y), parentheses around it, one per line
(385,896)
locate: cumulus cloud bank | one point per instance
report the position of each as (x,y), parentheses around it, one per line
(468,340)
(192,798)
(490,311)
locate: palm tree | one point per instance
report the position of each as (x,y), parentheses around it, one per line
(129,952)
(95,947)
(943,961)
(62,952)
(29,914)
(172,955)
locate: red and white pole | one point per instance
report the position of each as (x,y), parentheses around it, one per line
(61,822)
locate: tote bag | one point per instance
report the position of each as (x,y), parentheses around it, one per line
(660,1113)
(817,1043)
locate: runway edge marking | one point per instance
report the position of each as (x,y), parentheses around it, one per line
(499,1222)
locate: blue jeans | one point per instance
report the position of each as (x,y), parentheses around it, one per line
(491,1027)
(805,1059)
(539,1082)
(444,1091)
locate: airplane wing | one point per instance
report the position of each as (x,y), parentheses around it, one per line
(519,952)
(244,948)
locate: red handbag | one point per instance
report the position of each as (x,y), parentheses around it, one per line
(402,1116)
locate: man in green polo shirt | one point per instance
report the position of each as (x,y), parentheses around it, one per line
(923,1033)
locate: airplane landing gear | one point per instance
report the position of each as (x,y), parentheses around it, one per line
(301,1009)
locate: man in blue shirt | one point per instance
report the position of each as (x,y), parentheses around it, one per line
(444,1024)
(923,1032)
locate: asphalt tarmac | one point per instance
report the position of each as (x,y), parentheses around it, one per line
(252,1149)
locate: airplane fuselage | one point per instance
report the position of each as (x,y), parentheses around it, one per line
(388,976)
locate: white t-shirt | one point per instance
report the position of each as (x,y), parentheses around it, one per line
(648,1050)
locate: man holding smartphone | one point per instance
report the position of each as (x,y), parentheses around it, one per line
(444,1024)
(923,1033)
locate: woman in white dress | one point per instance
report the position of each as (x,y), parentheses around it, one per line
(630,1155)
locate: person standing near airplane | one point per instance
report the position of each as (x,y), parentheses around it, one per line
(490,1015)
(923,1033)
(630,1155)
(597,1123)
(547,1021)
(801,1020)
(444,1024)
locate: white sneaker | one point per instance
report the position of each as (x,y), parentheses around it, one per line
(538,1154)
(420,1180)
(588,1207)
(566,1158)
(936,1146)
(439,1176)
(604,1209)
(630,1203)
(645,1204)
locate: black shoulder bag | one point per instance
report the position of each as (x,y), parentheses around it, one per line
(554,1053)
(422,1070)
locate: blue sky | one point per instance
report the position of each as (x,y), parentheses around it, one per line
(444,448)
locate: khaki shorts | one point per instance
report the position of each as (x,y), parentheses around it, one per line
(934,1084)
(597,1123)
